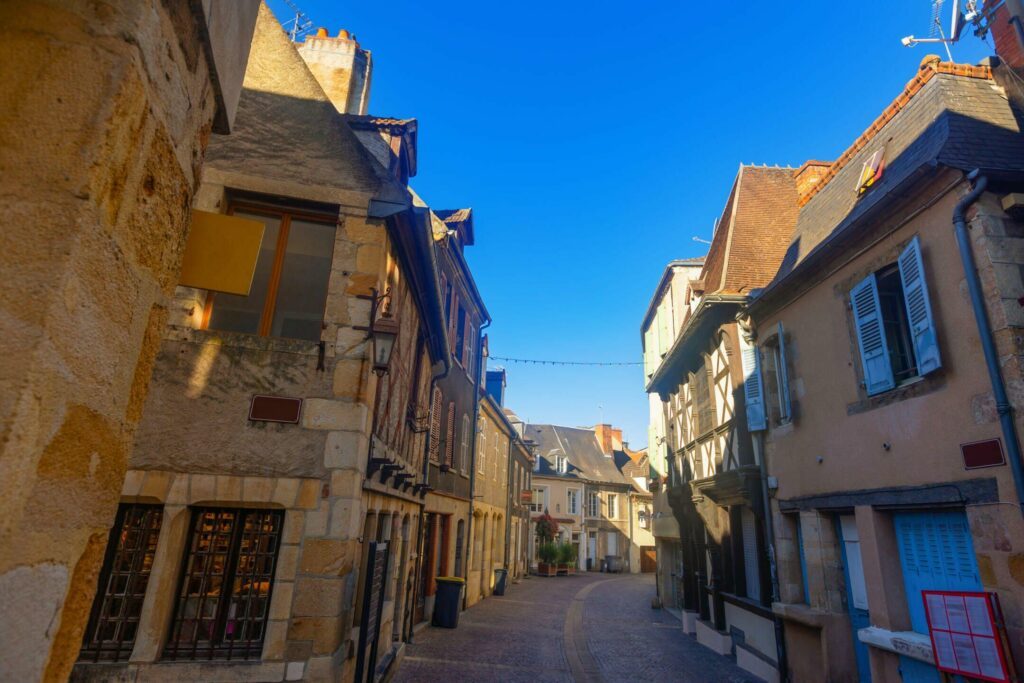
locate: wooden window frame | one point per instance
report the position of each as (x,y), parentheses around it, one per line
(285,215)
(137,577)
(220,647)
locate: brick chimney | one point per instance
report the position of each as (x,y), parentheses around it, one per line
(809,175)
(609,438)
(1007,27)
(341,67)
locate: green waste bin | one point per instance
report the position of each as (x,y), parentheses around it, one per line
(500,575)
(448,601)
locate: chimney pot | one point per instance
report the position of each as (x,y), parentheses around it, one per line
(344,35)
(321,32)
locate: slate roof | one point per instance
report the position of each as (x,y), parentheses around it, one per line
(753,232)
(948,115)
(581,449)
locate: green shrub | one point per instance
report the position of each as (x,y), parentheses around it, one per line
(548,553)
(566,554)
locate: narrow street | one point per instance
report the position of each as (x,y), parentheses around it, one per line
(587,627)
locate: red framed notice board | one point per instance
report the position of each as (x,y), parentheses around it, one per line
(967,634)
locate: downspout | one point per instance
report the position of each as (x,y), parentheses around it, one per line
(508,501)
(478,361)
(988,345)
(769,529)
(773,568)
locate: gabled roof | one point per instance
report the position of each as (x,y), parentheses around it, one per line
(287,133)
(666,278)
(581,449)
(388,138)
(459,219)
(949,115)
(753,232)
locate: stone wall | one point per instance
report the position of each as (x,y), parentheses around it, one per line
(105,114)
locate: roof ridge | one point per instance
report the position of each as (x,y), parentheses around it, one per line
(913,86)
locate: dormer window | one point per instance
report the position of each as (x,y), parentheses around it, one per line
(561,464)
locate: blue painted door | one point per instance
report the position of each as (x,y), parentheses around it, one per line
(936,553)
(856,592)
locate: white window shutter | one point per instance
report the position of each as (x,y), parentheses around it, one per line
(753,392)
(874,352)
(919,309)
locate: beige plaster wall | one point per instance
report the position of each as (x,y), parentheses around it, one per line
(837,441)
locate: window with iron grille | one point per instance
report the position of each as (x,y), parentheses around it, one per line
(114,622)
(224,592)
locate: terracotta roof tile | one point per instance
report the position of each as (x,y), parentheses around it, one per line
(754,231)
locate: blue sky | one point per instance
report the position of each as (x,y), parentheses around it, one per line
(595,140)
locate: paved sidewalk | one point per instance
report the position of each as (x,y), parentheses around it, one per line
(587,627)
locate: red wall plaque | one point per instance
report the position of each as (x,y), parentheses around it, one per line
(275,409)
(987,453)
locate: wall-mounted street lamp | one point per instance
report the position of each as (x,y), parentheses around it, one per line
(384,333)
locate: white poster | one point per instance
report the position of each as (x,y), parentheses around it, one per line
(977,613)
(944,649)
(956,612)
(966,659)
(988,658)
(937,611)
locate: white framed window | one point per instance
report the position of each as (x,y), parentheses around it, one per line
(464,446)
(561,464)
(540,499)
(573,501)
(593,504)
(497,456)
(482,449)
(613,506)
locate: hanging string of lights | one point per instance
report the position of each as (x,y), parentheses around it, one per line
(533,361)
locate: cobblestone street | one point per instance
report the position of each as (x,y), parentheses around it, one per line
(588,627)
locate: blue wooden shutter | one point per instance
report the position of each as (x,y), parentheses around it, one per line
(919,309)
(874,351)
(936,553)
(753,393)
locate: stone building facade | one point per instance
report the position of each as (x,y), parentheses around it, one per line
(103,180)
(490,500)
(270,455)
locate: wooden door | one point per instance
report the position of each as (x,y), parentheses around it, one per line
(648,559)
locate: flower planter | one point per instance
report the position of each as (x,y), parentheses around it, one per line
(545,569)
(564,568)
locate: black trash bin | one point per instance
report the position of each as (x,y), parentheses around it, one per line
(500,575)
(448,601)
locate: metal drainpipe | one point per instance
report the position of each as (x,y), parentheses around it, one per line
(988,345)
(773,568)
(478,363)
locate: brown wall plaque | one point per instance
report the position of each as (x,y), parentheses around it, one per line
(982,454)
(275,409)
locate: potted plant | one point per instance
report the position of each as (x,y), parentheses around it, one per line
(548,553)
(546,529)
(566,558)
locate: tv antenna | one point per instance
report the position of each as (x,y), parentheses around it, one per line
(300,24)
(958,20)
(701,240)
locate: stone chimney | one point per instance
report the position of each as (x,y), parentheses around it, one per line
(341,67)
(809,175)
(609,438)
